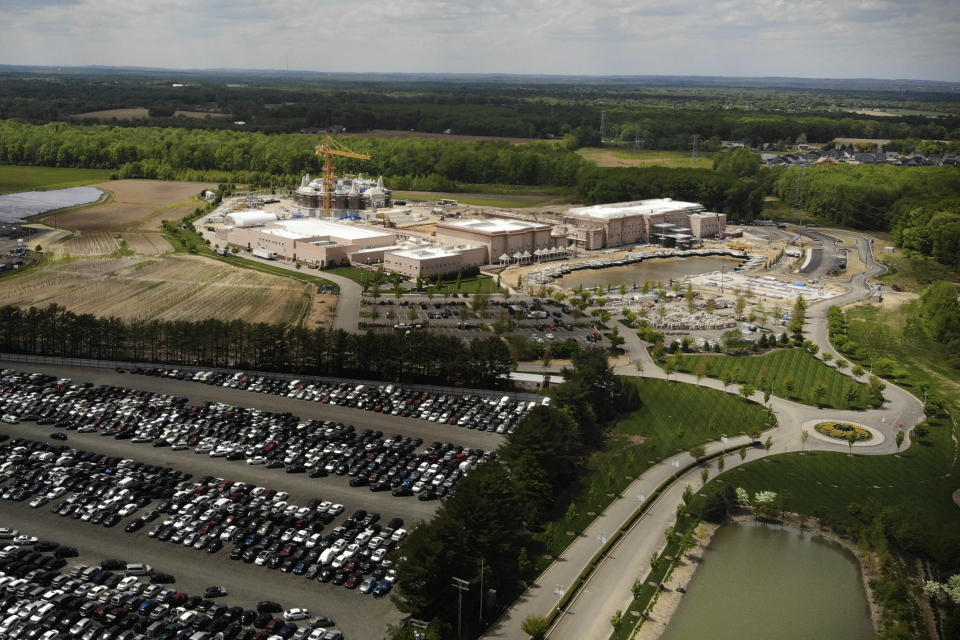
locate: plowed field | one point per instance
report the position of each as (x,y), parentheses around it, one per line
(102,243)
(136,205)
(174,287)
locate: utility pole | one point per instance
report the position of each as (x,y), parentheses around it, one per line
(797,194)
(481,580)
(461,586)
(603,125)
(693,155)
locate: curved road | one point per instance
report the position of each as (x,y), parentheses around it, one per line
(608,588)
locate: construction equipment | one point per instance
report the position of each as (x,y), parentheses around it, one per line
(328,149)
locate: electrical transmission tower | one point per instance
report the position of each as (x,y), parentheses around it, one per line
(603,125)
(798,193)
(693,154)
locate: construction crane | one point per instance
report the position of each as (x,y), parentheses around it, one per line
(328,149)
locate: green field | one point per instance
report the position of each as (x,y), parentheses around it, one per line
(920,481)
(776,367)
(14,179)
(674,417)
(613,157)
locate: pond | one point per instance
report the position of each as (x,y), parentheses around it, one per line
(762,582)
(653,270)
(15,207)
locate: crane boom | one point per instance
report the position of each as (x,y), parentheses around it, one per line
(328,149)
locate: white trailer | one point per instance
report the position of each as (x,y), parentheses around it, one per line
(265,254)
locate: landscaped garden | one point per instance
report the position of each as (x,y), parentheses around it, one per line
(842,431)
(794,374)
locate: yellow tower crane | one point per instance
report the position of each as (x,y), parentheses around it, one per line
(328,149)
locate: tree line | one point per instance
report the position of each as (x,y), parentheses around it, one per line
(246,157)
(484,530)
(718,191)
(422,356)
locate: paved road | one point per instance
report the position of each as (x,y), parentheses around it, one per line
(609,587)
(358,616)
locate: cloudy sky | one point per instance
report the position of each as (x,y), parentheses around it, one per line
(918,39)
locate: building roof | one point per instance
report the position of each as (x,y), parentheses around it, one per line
(638,207)
(493,225)
(311,227)
(426,253)
(250,218)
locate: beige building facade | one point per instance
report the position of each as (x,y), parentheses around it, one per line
(622,223)
(498,236)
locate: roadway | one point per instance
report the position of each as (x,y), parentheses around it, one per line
(608,588)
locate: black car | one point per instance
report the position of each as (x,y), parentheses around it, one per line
(58,435)
(268,606)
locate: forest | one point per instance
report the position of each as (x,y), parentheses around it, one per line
(421,356)
(280,160)
(665,112)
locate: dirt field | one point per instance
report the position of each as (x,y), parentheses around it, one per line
(136,205)
(174,287)
(140,112)
(877,141)
(101,243)
(440,136)
(626,158)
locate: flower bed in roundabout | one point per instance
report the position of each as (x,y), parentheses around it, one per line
(842,430)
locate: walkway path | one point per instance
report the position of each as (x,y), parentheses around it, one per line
(608,588)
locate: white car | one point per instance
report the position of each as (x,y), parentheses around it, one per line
(295,614)
(256,460)
(24,539)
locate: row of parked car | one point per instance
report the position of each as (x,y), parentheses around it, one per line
(87,486)
(276,440)
(258,524)
(112,601)
(263,529)
(485,413)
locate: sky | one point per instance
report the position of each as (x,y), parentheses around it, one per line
(915,39)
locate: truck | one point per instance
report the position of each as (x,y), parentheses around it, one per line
(537,314)
(222,251)
(265,254)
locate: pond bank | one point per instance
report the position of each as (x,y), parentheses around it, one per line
(669,599)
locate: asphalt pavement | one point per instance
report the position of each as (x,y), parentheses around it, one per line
(359,616)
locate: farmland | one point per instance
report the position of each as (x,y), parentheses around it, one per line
(779,367)
(135,205)
(140,112)
(624,158)
(103,243)
(15,179)
(176,287)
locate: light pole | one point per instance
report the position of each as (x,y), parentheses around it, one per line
(461,586)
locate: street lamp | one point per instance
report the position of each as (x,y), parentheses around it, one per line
(461,586)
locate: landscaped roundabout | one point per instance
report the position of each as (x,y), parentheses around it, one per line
(842,431)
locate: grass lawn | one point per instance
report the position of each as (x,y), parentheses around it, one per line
(887,333)
(920,481)
(14,179)
(914,273)
(356,274)
(776,367)
(674,417)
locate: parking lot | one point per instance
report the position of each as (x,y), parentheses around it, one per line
(359,616)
